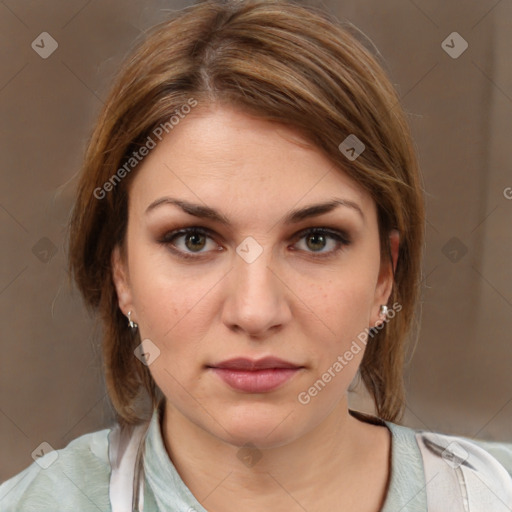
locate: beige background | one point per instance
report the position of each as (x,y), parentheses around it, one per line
(459,381)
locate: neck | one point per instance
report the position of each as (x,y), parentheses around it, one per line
(337,458)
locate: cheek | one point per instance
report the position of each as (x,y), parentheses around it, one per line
(337,354)
(344,306)
(345,302)
(171,301)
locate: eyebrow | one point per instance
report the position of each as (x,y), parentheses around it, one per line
(293,217)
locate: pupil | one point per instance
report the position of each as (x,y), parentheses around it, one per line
(194,237)
(317,237)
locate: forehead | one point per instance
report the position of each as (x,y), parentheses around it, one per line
(228,159)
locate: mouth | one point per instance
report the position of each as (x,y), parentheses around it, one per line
(246,364)
(255,376)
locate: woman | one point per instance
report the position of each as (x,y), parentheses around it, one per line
(249,228)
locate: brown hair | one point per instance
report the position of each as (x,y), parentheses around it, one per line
(282,62)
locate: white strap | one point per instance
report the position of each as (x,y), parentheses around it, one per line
(123,450)
(462,477)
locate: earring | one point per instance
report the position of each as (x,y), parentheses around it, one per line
(383,311)
(131,323)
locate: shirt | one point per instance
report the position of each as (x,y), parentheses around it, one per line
(77,477)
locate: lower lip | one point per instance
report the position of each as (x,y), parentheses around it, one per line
(257,381)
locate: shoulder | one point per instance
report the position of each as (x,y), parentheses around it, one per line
(414,440)
(472,453)
(459,469)
(502,452)
(77,476)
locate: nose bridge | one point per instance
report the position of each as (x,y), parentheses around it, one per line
(252,268)
(256,299)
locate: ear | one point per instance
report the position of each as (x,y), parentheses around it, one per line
(386,276)
(121,280)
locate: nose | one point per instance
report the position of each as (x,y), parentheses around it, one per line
(257,298)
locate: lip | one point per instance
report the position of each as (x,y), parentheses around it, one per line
(255,376)
(244,363)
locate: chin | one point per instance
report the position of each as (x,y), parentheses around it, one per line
(262,425)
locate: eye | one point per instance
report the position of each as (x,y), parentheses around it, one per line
(318,239)
(193,240)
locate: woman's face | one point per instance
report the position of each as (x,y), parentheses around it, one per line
(250,280)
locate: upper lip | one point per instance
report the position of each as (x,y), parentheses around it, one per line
(243,363)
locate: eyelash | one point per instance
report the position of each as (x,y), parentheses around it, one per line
(341,237)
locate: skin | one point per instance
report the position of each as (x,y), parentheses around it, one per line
(288,303)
